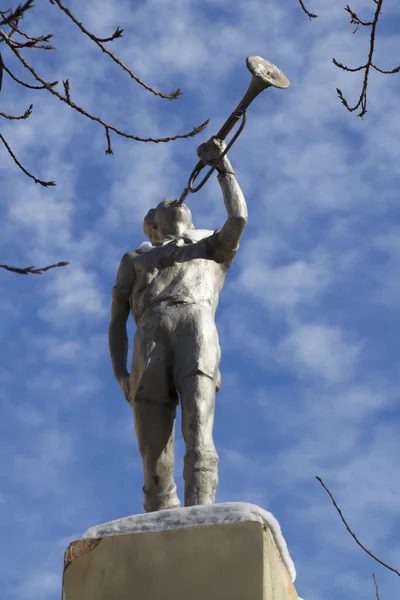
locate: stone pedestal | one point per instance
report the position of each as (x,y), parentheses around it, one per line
(232,551)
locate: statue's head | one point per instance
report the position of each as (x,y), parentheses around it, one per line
(168,219)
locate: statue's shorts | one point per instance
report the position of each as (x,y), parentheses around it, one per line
(172,343)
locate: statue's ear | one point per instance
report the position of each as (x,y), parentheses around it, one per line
(152,232)
(148,223)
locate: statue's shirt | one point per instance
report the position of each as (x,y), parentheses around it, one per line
(180,271)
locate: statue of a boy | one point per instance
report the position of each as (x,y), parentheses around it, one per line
(172,287)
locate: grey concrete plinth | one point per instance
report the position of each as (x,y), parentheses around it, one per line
(236,560)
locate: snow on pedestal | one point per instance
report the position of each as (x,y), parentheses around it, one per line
(227,551)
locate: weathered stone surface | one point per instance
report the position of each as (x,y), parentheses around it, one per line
(171,285)
(242,555)
(197,516)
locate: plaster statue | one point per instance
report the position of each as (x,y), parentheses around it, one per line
(171,285)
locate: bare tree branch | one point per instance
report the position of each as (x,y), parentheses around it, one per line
(11,19)
(66,90)
(355,20)
(350,70)
(117,34)
(40,38)
(353,535)
(32,270)
(376,587)
(26,114)
(362,101)
(43,183)
(309,14)
(17,14)
(31,41)
(97,41)
(192,133)
(1,70)
(395,70)
(109,148)
(32,44)
(27,85)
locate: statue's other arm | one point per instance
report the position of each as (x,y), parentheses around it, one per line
(117,332)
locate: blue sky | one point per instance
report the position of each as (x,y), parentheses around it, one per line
(309,315)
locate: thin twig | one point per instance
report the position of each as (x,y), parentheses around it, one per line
(1,70)
(32,44)
(32,270)
(192,133)
(43,183)
(11,33)
(395,70)
(309,14)
(351,532)
(97,41)
(17,14)
(355,19)
(41,38)
(26,114)
(28,85)
(117,34)
(376,587)
(31,41)
(349,69)
(109,149)
(362,101)
(66,90)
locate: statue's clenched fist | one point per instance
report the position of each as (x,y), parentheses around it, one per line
(210,152)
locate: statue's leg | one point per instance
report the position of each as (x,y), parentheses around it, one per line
(155,425)
(197,394)
(195,366)
(154,408)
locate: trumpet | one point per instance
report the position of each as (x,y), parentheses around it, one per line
(264,75)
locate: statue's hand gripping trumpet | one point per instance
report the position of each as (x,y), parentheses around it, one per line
(171,284)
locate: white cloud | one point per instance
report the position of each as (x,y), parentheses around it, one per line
(279,276)
(80,351)
(321,350)
(39,469)
(30,415)
(37,209)
(74,294)
(387,246)
(70,389)
(45,584)
(286,286)
(373,474)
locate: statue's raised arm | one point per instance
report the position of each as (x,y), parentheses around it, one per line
(229,235)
